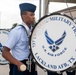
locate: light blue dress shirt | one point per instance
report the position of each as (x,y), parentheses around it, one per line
(18,42)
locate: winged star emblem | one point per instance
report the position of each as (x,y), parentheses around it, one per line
(54,45)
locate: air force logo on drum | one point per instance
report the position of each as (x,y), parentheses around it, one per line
(54,45)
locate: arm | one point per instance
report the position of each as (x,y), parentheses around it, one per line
(8,56)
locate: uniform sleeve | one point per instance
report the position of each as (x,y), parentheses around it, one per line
(12,38)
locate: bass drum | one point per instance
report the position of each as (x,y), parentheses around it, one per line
(3,38)
(53,42)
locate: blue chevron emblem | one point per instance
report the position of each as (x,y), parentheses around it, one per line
(54,45)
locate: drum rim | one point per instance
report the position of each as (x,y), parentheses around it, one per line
(33,31)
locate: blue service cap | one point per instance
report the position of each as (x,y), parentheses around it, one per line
(27,7)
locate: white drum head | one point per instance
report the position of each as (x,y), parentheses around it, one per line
(3,38)
(53,42)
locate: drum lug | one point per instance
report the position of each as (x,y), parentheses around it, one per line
(44,70)
(58,72)
(29,47)
(34,60)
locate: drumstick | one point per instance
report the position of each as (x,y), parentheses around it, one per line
(23,67)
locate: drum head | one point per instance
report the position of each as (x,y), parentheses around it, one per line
(3,38)
(53,42)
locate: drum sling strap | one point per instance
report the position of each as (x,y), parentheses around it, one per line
(31,66)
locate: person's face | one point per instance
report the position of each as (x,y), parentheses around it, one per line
(29,18)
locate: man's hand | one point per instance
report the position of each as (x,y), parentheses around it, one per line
(21,66)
